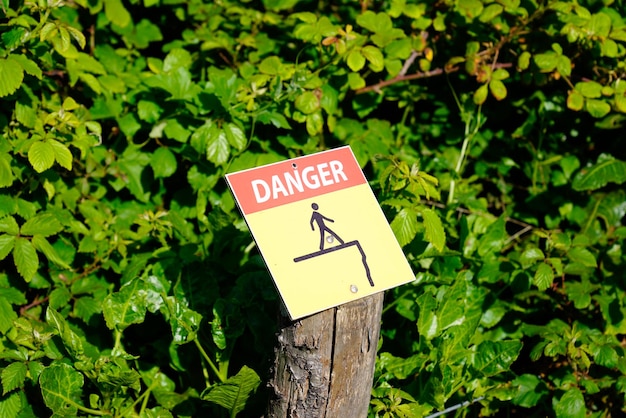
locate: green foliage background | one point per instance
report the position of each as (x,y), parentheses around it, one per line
(491,132)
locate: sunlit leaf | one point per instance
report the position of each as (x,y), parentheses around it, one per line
(435,233)
(235,392)
(405,226)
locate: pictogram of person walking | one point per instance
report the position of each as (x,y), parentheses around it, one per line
(321,226)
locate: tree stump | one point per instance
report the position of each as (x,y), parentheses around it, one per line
(324,363)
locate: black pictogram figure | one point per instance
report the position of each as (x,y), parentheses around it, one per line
(323,229)
(319,218)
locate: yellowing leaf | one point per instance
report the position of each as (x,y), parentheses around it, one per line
(498,89)
(575,101)
(356,60)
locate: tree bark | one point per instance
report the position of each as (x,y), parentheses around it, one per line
(324,363)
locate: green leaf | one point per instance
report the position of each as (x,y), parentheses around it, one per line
(217,150)
(6,173)
(62,154)
(405,226)
(579,293)
(599,25)
(530,256)
(59,297)
(544,276)
(12,76)
(271,65)
(589,89)
(42,245)
(9,225)
(564,65)
(184,322)
(597,108)
(7,242)
(307,102)
(523,62)
(71,340)
(451,312)
(25,258)
(571,404)
(582,256)
(235,136)
(375,22)
(29,66)
(401,368)
(314,123)
(493,357)
(427,321)
(44,224)
(126,307)
(61,387)
(530,390)
(470,8)
(374,56)
(148,111)
(163,162)
(435,233)
(493,240)
(41,155)
(10,405)
(356,81)
(13,376)
(480,95)
(356,60)
(491,12)
(117,13)
(7,316)
(606,170)
(177,58)
(234,392)
(546,62)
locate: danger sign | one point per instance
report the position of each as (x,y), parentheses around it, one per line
(320,230)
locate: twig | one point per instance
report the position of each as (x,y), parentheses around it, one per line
(408,63)
(400,78)
(35,302)
(455,407)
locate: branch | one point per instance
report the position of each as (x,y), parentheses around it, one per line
(401,77)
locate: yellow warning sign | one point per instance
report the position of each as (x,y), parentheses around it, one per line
(320,230)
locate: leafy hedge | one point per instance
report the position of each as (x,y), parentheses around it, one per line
(490,131)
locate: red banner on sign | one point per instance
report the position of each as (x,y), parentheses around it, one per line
(300,178)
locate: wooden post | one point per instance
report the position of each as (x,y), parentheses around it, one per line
(324,363)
